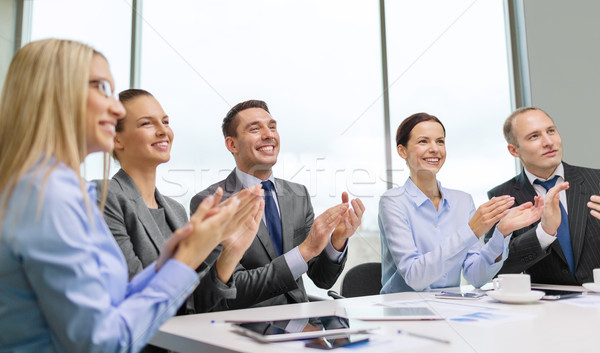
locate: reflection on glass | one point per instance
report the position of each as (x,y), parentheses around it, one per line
(105,25)
(322,323)
(318,66)
(319,72)
(449,59)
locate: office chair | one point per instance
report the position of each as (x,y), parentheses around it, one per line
(360,280)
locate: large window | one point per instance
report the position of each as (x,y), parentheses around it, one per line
(105,25)
(319,67)
(448,58)
(318,71)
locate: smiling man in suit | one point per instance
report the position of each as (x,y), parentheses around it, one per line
(290,241)
(564,246)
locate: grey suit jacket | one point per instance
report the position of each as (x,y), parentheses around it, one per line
(141,240)
(262,278)
(550,266)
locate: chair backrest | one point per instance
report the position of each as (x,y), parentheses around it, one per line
(363,279)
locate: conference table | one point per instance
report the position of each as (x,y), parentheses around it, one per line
(469,325)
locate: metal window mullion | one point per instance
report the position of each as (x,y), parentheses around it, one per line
(136,44)
(386,97)
(518,59)
(23,23)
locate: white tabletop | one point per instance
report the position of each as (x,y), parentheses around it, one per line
(569,325)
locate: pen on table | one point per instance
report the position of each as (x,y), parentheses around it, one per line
(425,337)
(460,294)
(456,294)
(454,302)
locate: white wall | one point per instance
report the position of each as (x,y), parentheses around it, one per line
(563,54)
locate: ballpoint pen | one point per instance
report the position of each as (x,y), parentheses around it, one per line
(418,335)
(460,295)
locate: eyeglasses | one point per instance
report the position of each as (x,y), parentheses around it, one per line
(104,87)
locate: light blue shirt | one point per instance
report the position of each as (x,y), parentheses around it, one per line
(63,279)
(293,258)
(423,248)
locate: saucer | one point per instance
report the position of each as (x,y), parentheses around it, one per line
(516,298)
(593,287)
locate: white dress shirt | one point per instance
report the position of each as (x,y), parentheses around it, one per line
(293,257)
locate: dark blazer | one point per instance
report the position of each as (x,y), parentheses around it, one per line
(262,278)
(141,240)
(550,266)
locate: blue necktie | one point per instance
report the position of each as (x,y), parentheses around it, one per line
(563,235)
(272,217)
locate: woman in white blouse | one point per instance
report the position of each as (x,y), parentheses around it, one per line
(430,233)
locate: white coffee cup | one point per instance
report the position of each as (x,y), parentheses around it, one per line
(597,275)
(513,283)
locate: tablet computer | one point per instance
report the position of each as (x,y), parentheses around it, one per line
(383,313)
(332,342)
(554,294)
(301,328)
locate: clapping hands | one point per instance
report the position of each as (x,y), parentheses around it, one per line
(490,213)
(341,219)
(594,204)
(242,229)
(206,229)
(349,223)
(521,216)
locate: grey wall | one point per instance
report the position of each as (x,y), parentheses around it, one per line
(563,58)
(8,15)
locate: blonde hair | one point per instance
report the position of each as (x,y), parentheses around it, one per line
(43,113)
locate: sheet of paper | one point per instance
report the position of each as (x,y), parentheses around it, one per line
(587,300)
(464,311)
(446,308)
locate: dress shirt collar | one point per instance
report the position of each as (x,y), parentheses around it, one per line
(419,198)
(560,171)
(250,180)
